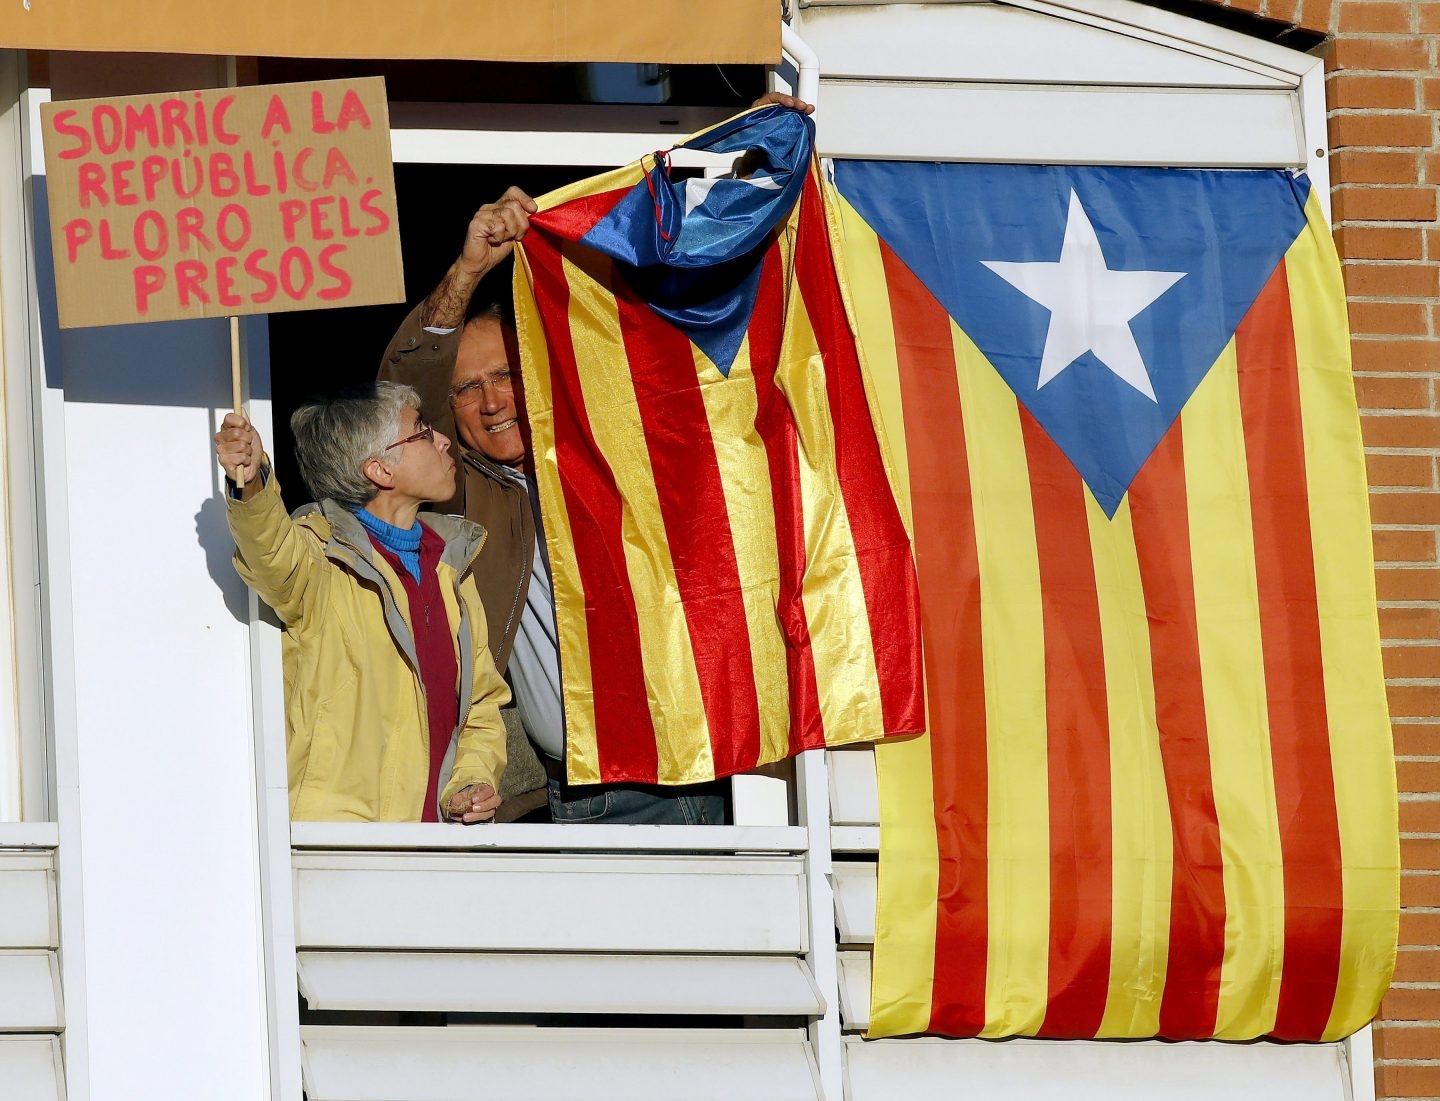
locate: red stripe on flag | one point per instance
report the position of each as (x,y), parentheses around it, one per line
(1159,511)
(1294,674)
(592,503)
(1078,728)
(882,550)
(573,219)
(688,483)
(775,424)
(949,566)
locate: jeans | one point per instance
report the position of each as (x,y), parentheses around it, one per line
(642,804)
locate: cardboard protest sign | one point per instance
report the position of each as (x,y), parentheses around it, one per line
(220,202)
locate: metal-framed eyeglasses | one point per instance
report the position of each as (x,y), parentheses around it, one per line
(469,392)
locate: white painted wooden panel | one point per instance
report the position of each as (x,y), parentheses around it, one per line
(855,892)
(29,835)
(759,800)
(855,839)
(30,1068)
(1059,125)
(532,982)
(991,42)
(594,903)
(1074,1070)
(443,1064)
(1130,20)
(854,794)
(547,837)
(855,990)
(27,901)
(30,998)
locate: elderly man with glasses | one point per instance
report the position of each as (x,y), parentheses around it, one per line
(392,699)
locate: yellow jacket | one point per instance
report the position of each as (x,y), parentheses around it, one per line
(357,733)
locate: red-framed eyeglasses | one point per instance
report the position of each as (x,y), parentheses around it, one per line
(426,433)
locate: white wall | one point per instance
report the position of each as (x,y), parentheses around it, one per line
(155,763)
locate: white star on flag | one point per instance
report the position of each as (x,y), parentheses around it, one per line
(697,190)
(1090,304)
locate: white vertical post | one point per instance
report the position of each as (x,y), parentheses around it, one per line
(813,790)
(272,781)
(1315,133)
(24,775)
(1359,1052)
(807,64)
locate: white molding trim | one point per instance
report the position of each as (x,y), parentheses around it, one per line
(1178,32)
(29,835)
(555,837)
(1359,1052)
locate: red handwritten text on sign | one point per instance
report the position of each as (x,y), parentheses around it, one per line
(219,202)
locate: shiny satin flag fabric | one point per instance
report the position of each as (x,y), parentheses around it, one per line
(1157,794)
(733,581)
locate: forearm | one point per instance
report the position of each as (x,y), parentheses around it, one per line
(446,306)
(271,554)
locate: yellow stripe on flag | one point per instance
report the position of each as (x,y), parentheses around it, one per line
(564,569)
(1232,670)
(1018,955)
(1141,847)
(671,683)
(904,970)
(730,407)
(831,592)
(625,176)
(869,295)
(892,445)
(1361,753)
(904,967)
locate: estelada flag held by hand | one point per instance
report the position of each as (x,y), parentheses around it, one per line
(1157,796)
(733,582)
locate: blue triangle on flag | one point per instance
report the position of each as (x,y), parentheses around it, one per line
(693,249)
(1101,295)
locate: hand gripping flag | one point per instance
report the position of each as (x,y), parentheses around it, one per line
(733,582)
(1158,795)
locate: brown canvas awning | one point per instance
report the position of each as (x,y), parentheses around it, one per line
(674,31)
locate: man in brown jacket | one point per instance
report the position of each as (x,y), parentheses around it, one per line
(465,365)
(423,354)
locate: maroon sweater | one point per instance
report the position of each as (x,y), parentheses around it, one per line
(435,647)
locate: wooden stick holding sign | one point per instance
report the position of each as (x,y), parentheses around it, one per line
(235,401)
(222,202)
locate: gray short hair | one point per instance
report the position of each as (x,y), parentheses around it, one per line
(335,436)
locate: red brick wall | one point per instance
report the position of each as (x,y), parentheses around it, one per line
(1383,86)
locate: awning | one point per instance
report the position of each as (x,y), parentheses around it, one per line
(673,31)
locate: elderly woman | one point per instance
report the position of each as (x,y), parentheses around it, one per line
(392,699)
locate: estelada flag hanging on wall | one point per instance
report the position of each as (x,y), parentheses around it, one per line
(1158,795)
(733,582)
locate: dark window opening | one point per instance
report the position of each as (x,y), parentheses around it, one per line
(316,351)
